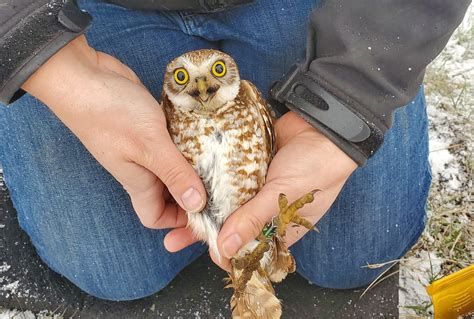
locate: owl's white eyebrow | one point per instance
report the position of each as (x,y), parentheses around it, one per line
(187,63)
(214,58)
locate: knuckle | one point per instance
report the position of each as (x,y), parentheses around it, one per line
(173,175)
(152,222)
(256,223)
(148,223)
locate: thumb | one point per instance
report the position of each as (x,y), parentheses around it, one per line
(170,166)
(246,223)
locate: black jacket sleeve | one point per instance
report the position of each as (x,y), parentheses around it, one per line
(365,58)
(31,31)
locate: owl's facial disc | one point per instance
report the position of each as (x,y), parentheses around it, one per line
(202,81)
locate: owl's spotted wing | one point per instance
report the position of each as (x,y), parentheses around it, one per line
(254,97)
(181,130)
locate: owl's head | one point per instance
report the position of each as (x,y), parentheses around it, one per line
(202,81)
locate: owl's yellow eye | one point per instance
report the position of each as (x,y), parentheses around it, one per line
(181,76)
(219,69)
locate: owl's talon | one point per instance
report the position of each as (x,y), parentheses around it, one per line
(298,220)
(289,213)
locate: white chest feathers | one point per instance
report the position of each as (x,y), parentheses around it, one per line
(229,166)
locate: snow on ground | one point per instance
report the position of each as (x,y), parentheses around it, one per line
(414,281)
(447,244)
(17,314)
(10,314)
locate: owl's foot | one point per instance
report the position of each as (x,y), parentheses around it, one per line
(250,261)
(289,213)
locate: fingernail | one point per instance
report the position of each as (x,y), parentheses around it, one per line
(231,245)
(192,200)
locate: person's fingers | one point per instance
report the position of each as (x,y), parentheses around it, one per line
(246,223)
(150,205)
(178,239)
(167,196)
(145,191)
(166,162)
(172,216)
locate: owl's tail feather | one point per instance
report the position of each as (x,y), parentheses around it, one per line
(281,262)
(256,300)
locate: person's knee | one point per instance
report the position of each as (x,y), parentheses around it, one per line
(118,288)
(111,270)
(342,266)
(339,277)
(112,280)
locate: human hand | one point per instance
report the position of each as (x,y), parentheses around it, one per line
(104,104)
(306,160)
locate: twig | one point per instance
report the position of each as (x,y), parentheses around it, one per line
(75,312)
(382,279)
(462,72)
(455,242)
(65,309)
(448,148)
(432,277)
(375,280)
(376,266)
(459,97)
(56,310)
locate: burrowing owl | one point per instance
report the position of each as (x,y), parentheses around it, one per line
(223,127)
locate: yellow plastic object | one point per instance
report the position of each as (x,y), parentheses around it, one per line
(453,295)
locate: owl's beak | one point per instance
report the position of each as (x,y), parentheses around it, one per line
(202,88)
(204,93)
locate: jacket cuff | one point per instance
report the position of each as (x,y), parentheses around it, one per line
(300,92)
(33,40)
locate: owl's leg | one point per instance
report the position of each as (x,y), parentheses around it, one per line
(249,263)
(289,213)
(252,258)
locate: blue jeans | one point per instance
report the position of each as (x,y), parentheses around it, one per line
(81,221)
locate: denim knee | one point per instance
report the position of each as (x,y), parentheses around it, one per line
(128,289)
(342,277)
(111,277)
(344,266)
